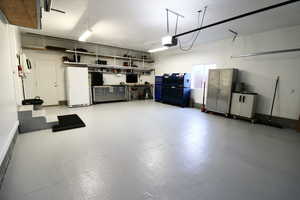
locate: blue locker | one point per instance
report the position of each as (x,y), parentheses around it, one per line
(158,88)
(176,89)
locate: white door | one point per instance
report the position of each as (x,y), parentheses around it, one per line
(236,104)
(213,90)
(224,96)
(46,82)
(247,106)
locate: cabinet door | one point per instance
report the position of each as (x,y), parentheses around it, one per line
(225,86)
(236,104)
(213,89)
(247,106)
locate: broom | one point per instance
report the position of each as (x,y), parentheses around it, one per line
(270,121)
(203,109)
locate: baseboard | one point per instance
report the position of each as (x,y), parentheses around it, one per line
(63,103)
(7,152)
(284,122)
(12,133)
(197,105)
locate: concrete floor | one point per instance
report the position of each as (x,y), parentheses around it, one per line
(150,151)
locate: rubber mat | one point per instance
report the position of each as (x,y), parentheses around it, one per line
(67,122)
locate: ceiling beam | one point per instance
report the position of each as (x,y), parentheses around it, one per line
(237,17)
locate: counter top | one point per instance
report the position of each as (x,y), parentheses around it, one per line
(138,85)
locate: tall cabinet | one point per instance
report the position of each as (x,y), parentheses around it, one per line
(176,89)
(220,86)
(77,85)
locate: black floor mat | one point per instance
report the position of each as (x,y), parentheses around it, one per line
(66,122)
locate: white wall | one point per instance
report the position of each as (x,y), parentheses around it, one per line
(8,108)
(258,72)
(15,44)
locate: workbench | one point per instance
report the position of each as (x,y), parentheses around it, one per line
(139,92)
(110,93)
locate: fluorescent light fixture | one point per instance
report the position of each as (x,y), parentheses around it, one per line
(158,49)
(85,35)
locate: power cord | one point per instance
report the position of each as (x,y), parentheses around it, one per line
(194,39)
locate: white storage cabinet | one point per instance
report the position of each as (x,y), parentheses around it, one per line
(77,86)
(243,105)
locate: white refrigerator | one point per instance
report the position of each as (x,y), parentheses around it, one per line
(77,86)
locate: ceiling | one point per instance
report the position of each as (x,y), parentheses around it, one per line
(140,24)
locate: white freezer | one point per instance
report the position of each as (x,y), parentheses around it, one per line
(77,86)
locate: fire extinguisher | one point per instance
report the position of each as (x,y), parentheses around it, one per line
(21,75)
(20,69)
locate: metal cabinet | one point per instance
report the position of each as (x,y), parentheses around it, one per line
(109,93)
(219,91)
(139,92)
(176,89)
(243,105)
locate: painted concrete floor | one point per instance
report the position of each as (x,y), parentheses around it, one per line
(150,151)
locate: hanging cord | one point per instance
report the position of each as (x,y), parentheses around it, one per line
(177,20)
(168,26)
(235,34)
(176,25)
(197,35)
(198,26)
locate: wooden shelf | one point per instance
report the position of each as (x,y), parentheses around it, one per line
(35,48)
(22,13)
(89,54)
(118,67)
(109,56)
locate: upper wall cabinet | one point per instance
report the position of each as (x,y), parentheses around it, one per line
(25,13)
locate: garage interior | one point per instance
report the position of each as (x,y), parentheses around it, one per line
(149,100)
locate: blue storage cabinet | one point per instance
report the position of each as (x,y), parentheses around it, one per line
(176,89)
(158,88)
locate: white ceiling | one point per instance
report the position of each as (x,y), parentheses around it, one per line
(139,24)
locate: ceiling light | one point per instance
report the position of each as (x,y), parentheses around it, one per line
(158,49)
(85,35)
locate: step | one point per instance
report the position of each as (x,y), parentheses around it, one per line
(25,108)
(39,113)
(51,119)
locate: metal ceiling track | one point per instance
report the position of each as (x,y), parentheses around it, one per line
(266,53)
(238,17)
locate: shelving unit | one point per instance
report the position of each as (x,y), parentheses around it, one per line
(111,67)
(109,56)
(101,68)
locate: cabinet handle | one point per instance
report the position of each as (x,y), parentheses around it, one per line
(244,97)
(240,99)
